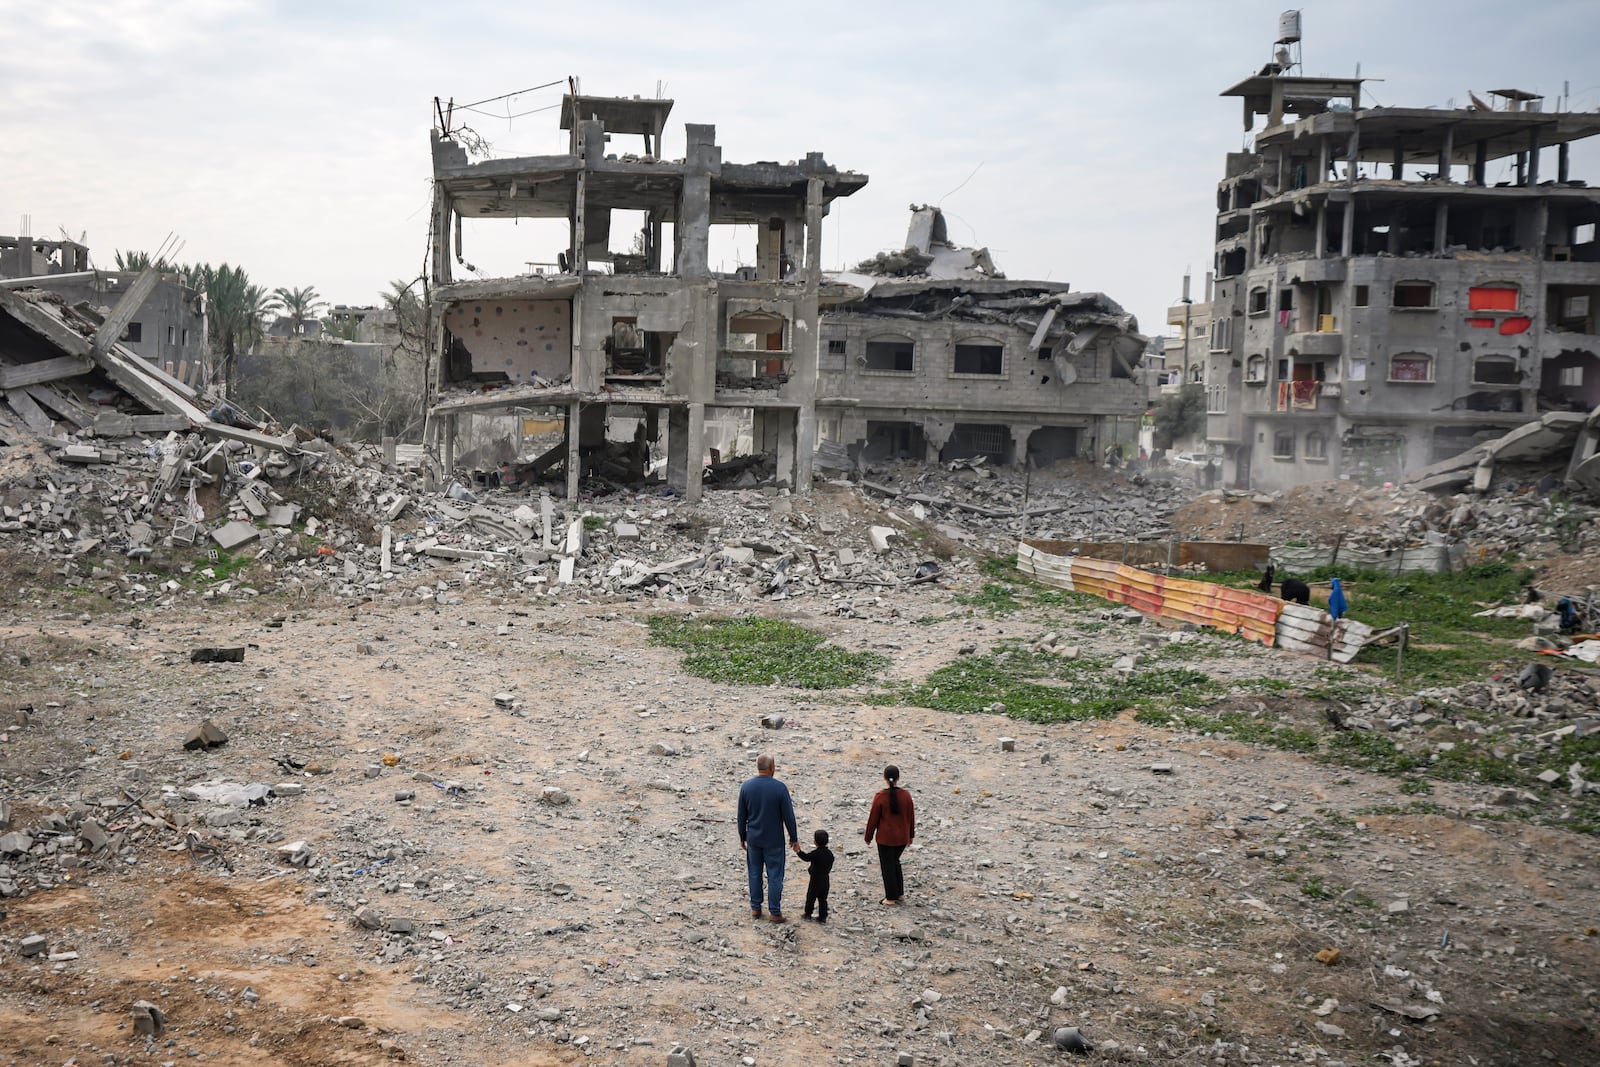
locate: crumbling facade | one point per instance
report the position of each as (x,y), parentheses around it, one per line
(930,353)
(626,317)
(168,327)
(1395,285)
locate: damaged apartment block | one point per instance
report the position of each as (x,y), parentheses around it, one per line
(1395,286)
(623,325)
(930,353)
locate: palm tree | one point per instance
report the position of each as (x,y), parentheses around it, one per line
(299,307)
(236,310)
(138,261)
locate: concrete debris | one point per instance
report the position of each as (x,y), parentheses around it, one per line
(217,655)
(34,944)
(205,735)
(148,1020)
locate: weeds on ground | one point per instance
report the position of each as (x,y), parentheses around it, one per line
(1236,726)
(757,651)
(1042,687)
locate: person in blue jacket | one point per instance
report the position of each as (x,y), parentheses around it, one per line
(765,812)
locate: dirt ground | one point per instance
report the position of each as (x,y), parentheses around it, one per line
(1171,916)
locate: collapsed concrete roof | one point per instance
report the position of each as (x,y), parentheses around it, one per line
(931,278)
(46,344)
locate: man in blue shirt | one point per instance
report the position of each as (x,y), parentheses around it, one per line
(765,812)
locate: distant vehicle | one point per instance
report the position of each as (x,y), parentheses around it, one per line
(1191,459)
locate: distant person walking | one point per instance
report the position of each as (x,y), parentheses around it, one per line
(894,820)
(765,812)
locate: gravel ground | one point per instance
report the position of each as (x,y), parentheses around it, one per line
(1172,915)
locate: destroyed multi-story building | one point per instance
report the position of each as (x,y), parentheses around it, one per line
(624,321)
(930,353)
(169,326)
(1395,285)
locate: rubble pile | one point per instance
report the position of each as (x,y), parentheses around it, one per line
(1520,518)
(1533,717)
(89,834)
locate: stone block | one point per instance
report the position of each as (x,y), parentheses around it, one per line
(626,531)
(880,536)
(369,918)
(680,1057)
(34,944)
(15,843)
(148,1019)
(738,555)
(94,835)
(288,789)
(217,655)
(233,535)
(206,735)
(1008,744)
(1160,768)
(772,722)
(554,796)
(283,514)
(397,925)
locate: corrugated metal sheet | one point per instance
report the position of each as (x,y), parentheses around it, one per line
(1254,615)
(1432,558)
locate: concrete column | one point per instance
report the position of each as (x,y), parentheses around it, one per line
(935,435)
(389,451)
(574,445)
(1322,230)
(1347,232)
(807,347)
(686,449)
(693,227)
(1533,157)
(1323,153)
(1447,151)
(1561,162)
(785,421)
(1019,444)
(1397,163)
(447,450)
(1441,225)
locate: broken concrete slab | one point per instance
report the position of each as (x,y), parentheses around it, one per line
(235,535)
(206,735)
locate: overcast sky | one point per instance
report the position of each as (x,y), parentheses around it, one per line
(1078,141)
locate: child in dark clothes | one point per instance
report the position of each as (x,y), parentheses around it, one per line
(821,861)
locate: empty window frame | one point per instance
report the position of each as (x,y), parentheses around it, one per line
(1283,444)
(172,333)
(1217,400)
(1413,295)
(1255,369)
(979,357)
(1495,370)
(1361,295)
(835,347)
(134,333)
(891,356)
(1572,377)
(1316,445)
(1258,301)
(1411,367)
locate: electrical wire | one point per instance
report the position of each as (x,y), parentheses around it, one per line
(519,92)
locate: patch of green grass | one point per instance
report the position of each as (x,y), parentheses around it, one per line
(1236,726)
(1041,687)
(756,651)
(594,522)
(1416,787)
(1372,752)
(994,598)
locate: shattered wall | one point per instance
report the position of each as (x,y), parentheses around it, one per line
(526,340)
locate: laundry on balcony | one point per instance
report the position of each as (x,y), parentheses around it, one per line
(1298,396)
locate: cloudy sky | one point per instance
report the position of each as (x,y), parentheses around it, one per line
(1079,140)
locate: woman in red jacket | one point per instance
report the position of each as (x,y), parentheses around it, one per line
(894,821)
